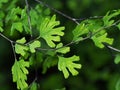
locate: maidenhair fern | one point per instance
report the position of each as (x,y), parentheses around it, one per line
(44,47)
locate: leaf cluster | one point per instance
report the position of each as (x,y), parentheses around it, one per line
(45,49)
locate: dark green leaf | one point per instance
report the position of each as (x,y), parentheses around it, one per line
(49,62)
(36,59)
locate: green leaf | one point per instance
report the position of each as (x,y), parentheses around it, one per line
(1,30)
(49,62)
(19,73)
(62,49)
(36,59)
(21,49)
(50,32)
(79,31)
(24,20)
(107,18)
(16,26)
(65,64)
(2,1)
(50,53)
(117,87)
(99,39)
(34,86)
(118,26)
(117,59)
(13,15)
(2,15)
(47,11)
(34,45)
(34,17)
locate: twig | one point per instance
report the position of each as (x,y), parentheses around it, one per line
(70,18)
(104,27)
(12,42)
(94,17)
(89,36)
(112,48)
(5,37)
(13,50)
(66,16)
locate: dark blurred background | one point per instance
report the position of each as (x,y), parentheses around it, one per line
(99,72)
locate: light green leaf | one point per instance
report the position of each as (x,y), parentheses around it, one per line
(117,59)
(1,30)
(50,32)
(13,15)
(21,49)
(98,40)
(65,64)
(62,49)
(79,31)
(118,26)
(16,26)
(34,45)
(117,87)
(19,73)
(107,18)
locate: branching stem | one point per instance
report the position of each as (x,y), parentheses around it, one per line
(66,16)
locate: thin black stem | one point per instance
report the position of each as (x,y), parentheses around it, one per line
(104,27)
(112,48)
(13,50)
(6,37)
(32,83)
(88,37)
(29,20)
(12,42)
(66,16)
(94,17)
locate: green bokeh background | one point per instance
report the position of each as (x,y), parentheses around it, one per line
(99,72)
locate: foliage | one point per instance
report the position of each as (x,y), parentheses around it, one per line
(118,85)
(117,59)
(49,33)
(67,63)
(19,73)
(35,37)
